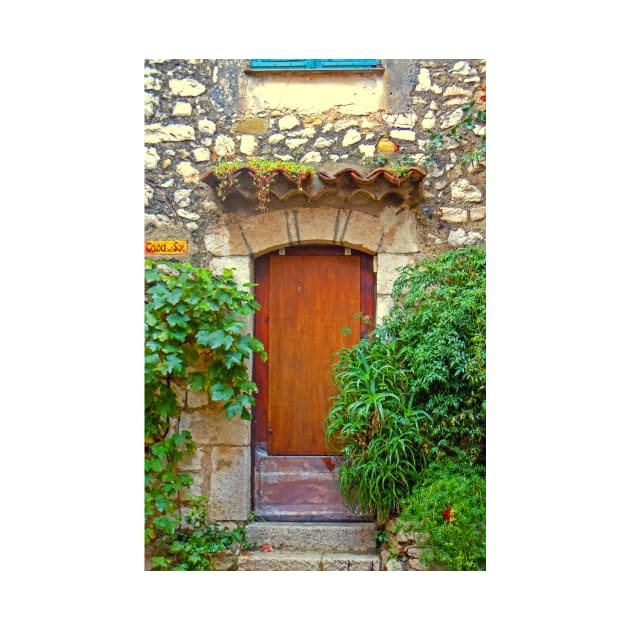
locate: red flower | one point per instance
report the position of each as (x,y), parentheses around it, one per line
(448,515)
(266,547)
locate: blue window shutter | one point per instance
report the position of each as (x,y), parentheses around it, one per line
(277,64)
(349,63)
(313,64)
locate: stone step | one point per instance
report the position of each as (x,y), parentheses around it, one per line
(308,561)
(329,537)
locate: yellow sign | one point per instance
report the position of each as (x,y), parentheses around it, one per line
(177,248)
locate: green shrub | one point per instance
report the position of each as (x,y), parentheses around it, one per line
(449,505)
(414,390)
(195,335)
(439,323)
(196,546)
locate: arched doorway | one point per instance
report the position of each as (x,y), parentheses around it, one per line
(310,297)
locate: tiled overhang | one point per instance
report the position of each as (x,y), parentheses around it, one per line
(347,186)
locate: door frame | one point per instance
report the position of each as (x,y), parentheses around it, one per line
(260,370)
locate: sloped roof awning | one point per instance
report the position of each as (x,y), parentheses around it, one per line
(348,186)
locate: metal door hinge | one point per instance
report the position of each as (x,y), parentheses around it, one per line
(375,264)
(347,251)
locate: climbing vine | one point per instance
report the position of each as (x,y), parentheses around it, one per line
(195,337)
(468,130)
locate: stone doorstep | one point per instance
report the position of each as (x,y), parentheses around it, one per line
(323,537)
(307,561)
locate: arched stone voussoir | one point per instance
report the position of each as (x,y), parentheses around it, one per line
(263,233)
(361,231)
(267,231)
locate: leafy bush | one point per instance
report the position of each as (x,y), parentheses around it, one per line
(194,337)
(449,505)
(413,391)
(196,547)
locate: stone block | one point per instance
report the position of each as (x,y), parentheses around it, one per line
(188,172)
(384,303)
(168,133)
(196,399)
(350,562)
(266,232)
(400,231)
(209,425)
(352,136)
(316,225)
(327,537)
(241,267)
(249,144)
(198,423)
(388,270)
(288,122)
(477,214)
(403,134)
(252,126)
(463,190)
(230,483)
(226,240)
(225,432)
(453,215)
(186,87)
(363,231)
(192,462)
(280,561)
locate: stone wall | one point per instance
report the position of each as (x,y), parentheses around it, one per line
(199,112)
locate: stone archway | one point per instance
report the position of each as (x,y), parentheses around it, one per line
(389,234)
(375,215)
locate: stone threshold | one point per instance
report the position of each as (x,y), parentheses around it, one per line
(292,560)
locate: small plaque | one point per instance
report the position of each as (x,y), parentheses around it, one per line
(171,248)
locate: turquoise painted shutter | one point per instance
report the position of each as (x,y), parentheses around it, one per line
(277,64)
(348,63)
(313,64)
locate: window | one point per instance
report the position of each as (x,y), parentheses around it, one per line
(315,64)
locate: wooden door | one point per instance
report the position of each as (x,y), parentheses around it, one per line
(309,299)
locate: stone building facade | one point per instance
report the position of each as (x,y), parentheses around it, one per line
(200,112)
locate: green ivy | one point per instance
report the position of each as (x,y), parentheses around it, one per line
(474,114)
(196,546)
(195,337)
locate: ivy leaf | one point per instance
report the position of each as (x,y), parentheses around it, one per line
(175,296)
(221,391)
(175,319)
(214,339)
(197,381)
(165,523)
(232,358)
(173,362)
(233,409)
(234,327)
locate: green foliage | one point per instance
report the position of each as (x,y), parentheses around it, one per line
(474,114)
(449,505)
(263,172)
(194,336)
(400,167)
(439,322)
(413,391)
(195,546)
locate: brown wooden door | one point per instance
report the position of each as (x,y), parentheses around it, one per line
(309,299)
